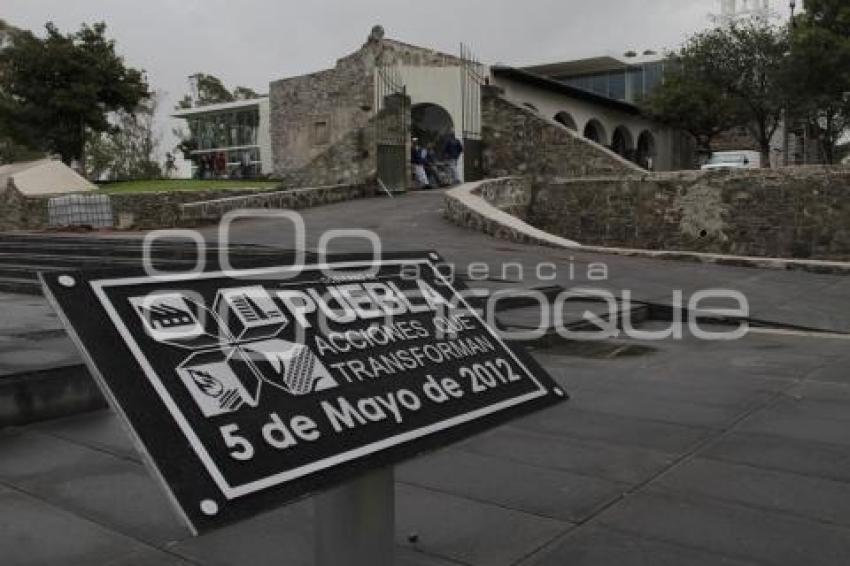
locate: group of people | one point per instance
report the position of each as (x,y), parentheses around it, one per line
(217,166)
(431,170)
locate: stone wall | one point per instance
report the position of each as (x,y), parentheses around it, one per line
(508,194)
(312,113)
(322,124)
(18,212)
(166,209)
(505,199)
(793,213)
(162,209)
(518,141)
(292,199)
(349,160)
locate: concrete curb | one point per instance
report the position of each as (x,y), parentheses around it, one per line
(47,394)
(466,207)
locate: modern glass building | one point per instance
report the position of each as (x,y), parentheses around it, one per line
(607,76)
(229,140)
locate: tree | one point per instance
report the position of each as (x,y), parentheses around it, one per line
(748,61)
(818,81)
(689,102)
(11,150)
(53,90)
(738,70)
(128,150)
(209,89)
(244,93)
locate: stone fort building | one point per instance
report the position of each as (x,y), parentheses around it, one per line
(353,123)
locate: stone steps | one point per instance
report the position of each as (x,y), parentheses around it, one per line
(41,373)
(24,286)
(48,394)
(22,256)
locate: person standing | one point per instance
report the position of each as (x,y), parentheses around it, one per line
(417,160)
(170,165)
(453,150)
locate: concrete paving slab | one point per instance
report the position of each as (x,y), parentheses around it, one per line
(469,532)
(408,557)
(33,533)
(542,317)
(283,537)
(598,459)
(645,405)
(800,404)
(813,498)
(146,558)
(101,430)
(631,417)
(731,530)
(812,458)
(663,388)
(821,391)
(685,376)
(833,372)
(810,351)
(595,546)
(712,371)
(93,484)
(624,431)
(777,364)
(546,492)
(792,422)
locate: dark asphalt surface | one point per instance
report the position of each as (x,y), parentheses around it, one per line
(679,452)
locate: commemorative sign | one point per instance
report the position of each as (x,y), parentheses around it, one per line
(245,389)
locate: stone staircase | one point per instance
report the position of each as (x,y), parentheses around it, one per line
(41,373)
(22,256)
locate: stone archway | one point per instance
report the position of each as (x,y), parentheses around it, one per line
(645,152)
(595,132)
(565,119)
(431,123)
(622,142)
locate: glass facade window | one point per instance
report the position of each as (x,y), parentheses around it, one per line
(629,85)
(226,143)
(600,84)
(653,76)
(617,86)
(635,85)
(225,129)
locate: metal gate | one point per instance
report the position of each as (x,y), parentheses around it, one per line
(392,130)
(472,76)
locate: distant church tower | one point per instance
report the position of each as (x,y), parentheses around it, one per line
(733,10)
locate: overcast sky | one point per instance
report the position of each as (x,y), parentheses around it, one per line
(251,42)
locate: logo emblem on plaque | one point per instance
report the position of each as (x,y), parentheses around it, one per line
(236,348)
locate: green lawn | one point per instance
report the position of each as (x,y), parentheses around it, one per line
(183,185)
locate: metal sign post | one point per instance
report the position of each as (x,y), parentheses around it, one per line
(355,523)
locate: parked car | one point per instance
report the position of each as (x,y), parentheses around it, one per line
(734,160)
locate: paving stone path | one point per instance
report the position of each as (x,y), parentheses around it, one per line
(680,452)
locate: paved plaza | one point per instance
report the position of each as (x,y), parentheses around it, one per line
(679,452)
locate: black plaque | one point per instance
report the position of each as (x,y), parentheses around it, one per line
(246,389)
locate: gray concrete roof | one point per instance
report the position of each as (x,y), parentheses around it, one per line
(676,452)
